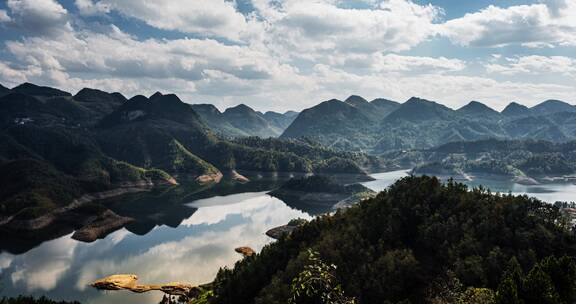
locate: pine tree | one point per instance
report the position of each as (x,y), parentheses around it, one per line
(539,289)
(562,272)
(510,284)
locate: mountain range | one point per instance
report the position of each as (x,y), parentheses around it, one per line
(59,149)
(382,125)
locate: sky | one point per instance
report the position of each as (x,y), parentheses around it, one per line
(292,54)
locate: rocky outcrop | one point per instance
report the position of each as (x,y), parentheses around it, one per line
(130,282)
(245,251)
(209,178)
(238,177)
(280,231)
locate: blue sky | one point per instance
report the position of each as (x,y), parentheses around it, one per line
(292,54)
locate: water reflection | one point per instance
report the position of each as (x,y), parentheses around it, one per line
(192,252)
(163,206)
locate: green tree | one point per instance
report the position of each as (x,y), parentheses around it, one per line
(562,272)
(316,284)
(539,289)
(509,287)
(474,295)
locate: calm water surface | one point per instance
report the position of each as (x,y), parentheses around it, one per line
(178,236)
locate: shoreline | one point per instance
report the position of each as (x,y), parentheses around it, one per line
(91,226)
(521,180)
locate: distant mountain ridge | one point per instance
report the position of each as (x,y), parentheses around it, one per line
(241,120)
(382,125)
(39,91)
(477,109)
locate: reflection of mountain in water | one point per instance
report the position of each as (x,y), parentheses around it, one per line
(21,243)
(167,206)
(309,207)
(162,206)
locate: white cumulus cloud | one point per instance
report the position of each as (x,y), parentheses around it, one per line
(37,17)
(292,54)
(204,17)
(533,25)
(320,27)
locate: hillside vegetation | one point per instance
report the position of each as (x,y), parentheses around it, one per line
(420,241)
(381,125)
(505,158)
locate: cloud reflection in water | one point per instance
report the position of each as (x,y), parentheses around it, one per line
(192,252)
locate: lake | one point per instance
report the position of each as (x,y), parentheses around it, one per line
(184,234)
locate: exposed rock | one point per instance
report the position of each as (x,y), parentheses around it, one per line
(106,223)
(130,282)
(238,177)
(280,231)
(245,251)
(209,178)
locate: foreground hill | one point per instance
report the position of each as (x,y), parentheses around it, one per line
(381,126)
(420,241)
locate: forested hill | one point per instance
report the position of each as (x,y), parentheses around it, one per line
(515,159)
(57,147)
(242,121)
(419,241)
(381,125)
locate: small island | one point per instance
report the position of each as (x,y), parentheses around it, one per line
(320,194)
